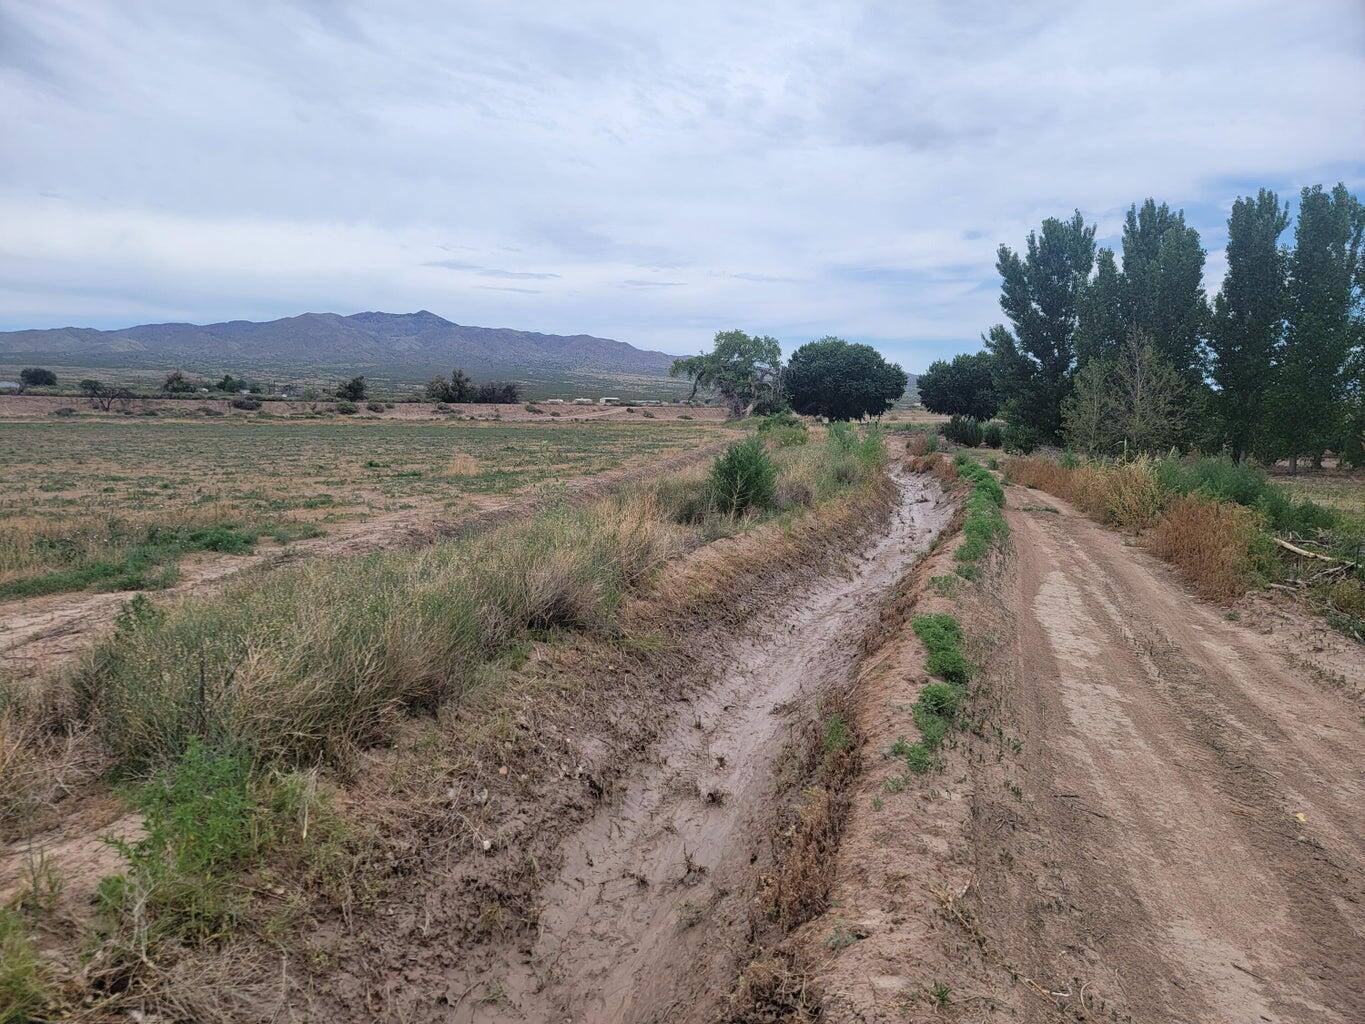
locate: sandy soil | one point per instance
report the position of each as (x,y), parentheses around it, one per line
(1156,815)
(37,634)
(42,405)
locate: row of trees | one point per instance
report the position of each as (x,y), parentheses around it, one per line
(829,377)
(459,388)
(1100,353)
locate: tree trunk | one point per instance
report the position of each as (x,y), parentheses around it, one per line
(1293,465)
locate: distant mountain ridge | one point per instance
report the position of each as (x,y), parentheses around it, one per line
(411,345)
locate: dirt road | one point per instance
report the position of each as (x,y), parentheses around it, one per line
(1190,839)
(1155,811)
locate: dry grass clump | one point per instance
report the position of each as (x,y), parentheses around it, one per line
(1215,544)
(308,663)
(463,464)
(1128,494)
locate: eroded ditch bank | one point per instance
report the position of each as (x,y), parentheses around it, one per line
(637,903)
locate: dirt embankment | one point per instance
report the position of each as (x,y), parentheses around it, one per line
(1155,811)
(37,634)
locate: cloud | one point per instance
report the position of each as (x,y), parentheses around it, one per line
(804,169)
(510,275)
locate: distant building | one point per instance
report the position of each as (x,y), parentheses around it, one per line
(554,401)
(609,400)
(583,401)
(9,385)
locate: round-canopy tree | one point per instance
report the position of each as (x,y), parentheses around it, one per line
(960,388)
(840,381)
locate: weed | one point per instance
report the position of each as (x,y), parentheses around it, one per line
(24,992)
(743,479)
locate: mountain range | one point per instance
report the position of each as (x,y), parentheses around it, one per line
(399,346)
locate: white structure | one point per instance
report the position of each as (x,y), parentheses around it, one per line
(608,400)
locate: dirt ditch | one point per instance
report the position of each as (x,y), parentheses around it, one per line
(642,906)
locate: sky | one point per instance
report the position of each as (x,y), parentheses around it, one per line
(648,172)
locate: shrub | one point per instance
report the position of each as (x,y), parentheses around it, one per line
(1217,545)
(964,430)
(922,443)
(647,414)
(1018,438)
(248,404)
(346,408)
(992,435)
(375,406)
(743,478)
(64,411)
(783,430)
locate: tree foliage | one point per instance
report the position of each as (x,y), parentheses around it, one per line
(1040,294)
(960,387)
(36,377)
(745,371)
(1248,321)
(1323,321)
(842,381)
(176,383)
(1132,404)
(353,390)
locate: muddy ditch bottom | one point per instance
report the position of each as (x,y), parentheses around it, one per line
(649,913)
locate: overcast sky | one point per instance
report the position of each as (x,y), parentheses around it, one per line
(650,172)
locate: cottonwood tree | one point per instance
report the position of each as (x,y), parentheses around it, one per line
(353,390)
(842,381)
(745,371)
(1248,321)
(1040,293)
(36,377)
(1323,322)
(962,387)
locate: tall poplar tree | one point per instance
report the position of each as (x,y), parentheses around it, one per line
(1248,321)
(1322,322)
(1040,294)
(1163,285)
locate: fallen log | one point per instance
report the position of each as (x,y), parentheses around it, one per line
(1311,554)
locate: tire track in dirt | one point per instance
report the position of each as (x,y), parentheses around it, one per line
(1194,806)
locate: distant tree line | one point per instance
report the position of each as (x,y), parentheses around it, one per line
(829,377)
(459,388)
(1108,352)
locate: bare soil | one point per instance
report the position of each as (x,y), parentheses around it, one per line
(1155,814)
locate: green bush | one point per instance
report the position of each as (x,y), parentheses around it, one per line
(964,430)
(1224,479)
(992,435)
(783,429)
(375,406)
(246,404)
(743,478)
(1018,439)
(346,408)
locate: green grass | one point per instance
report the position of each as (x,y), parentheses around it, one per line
(936,709)
(24,993)
(984,522)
